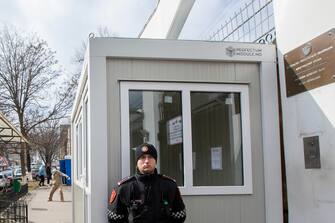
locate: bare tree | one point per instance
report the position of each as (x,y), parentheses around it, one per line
(28,73)
(47,140)
(79,56)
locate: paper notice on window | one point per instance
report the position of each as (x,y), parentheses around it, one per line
(175,131)
(216,155)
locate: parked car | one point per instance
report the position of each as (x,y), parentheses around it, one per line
(18,173)
(34,172)
(10,175)
(4,181)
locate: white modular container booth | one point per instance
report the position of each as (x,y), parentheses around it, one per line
(211,110)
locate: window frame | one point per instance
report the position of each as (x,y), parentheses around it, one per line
(85,169)
(81,144)
(186,89)
(78,130)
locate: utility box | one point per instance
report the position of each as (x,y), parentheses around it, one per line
(312,152)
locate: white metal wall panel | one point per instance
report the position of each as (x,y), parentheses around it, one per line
(311,194)
(78,200)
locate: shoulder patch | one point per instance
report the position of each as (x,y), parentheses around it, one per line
(168,178)
(112,197)
(124,180)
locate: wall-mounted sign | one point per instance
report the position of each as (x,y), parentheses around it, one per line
(311,65)
(243,51)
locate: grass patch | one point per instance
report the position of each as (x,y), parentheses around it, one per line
(32,185)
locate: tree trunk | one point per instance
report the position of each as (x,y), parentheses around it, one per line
(23,159)
(28,159)
(26,162)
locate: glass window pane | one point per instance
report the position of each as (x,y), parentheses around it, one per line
(79,134)
(156,117)
(216,139)
(77,151)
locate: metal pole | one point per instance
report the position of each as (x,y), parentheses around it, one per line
(15,206)
(26,217)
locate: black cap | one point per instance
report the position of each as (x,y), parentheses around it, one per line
(146,148)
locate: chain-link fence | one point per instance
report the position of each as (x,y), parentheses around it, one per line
(252,23)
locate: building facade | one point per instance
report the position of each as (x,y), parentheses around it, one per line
(176,94)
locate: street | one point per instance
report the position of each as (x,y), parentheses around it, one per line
(40,210)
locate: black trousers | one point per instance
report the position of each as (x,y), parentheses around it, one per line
(48,179)
(41,180)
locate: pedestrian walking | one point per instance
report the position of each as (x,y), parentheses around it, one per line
(146,197)
(41,175)
(57,184)
(48,172)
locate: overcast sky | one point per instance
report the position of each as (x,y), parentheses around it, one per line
(64,24)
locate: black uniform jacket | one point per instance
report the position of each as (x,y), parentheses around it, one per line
(143,198)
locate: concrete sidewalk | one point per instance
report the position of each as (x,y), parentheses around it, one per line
(41,211)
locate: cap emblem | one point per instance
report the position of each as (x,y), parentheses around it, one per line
(145,149)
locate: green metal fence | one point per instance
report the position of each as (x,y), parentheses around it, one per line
(12,207)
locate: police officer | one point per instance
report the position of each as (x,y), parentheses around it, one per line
(146,197)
